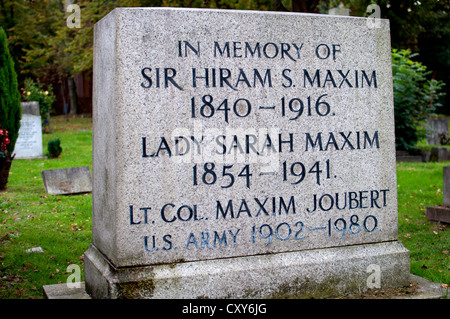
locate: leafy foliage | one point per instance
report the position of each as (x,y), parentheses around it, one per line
(10,107)
(54,148)
(4,141)
(34,91)
(415,97)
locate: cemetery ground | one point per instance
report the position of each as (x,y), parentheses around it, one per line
(61,225)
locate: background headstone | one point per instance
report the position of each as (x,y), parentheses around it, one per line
(242,154)
(441,213)
(65,181)
(339,11)
(434,127)
(439,154)
(29,141)
(446,185)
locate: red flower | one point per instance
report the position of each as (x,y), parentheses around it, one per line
(4,140)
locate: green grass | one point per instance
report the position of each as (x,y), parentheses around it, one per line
(420,185)
(422,143)
(61,225)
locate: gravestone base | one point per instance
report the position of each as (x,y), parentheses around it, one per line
(316,273)
(438,214)
(67,181)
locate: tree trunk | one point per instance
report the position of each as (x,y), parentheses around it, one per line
(5,166)
(73,95)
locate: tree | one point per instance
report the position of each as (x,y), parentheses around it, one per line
(415,97)
(422,26)
(10,108)
(60,48)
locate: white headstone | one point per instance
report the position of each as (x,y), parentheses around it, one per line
(29,142)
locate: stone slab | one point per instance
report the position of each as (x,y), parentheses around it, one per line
(318,273)
(439,154)
(339,11)
(35,250)
(403,156)
(434,127)
(446,184)
(29,141)
(174,182)
(438,213)
(66,181)
(31,108)
(425,290)
(241,154)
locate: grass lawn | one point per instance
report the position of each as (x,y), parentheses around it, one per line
(61,225)
(420,185)
(29,218)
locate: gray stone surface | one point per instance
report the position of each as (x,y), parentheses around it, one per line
(62,291)
(438,213)
(66,181)
(439,154)
(31,108)
(441,213)
(426,289)
(29,142)
(139,182)
(434,127)
(404,156)
(318,273)
(257,135)
(35,250)
(339,11)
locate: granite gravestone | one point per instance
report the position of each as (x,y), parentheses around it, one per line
(441,213)
(29,142)
(67,181)
(435,127)
(242,154)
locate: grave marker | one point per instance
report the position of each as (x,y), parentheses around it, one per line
(29,142)
(441,213)
(434,128)
(242,154)
(66,181)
